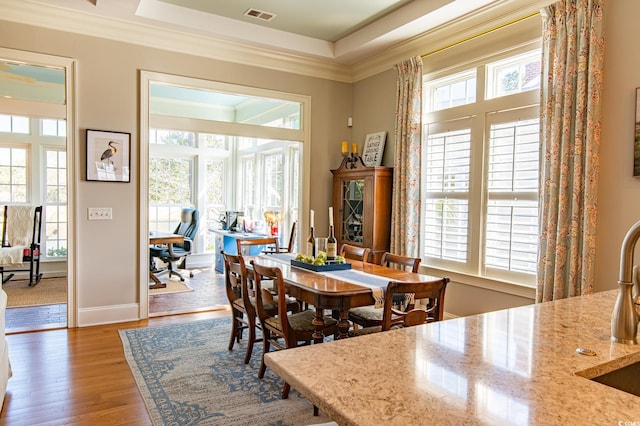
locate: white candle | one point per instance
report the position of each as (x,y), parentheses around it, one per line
(311,218)
(330,216)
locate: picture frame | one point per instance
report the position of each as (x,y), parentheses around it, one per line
(636,143)
(373,149)
(108,156)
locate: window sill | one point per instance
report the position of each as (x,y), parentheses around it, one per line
(511,288)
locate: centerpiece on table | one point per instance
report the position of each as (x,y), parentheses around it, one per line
(320,262)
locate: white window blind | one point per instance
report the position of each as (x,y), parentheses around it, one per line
(512,210)
(480,167)
(446,210)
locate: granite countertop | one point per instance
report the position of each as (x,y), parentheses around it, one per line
(516,366)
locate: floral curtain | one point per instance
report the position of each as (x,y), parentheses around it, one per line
(405,210)
(571,89)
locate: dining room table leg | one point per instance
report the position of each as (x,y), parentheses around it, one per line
(343,324)
(318,323)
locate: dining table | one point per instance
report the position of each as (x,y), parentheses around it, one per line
(339,290)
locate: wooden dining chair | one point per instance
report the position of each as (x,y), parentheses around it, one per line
(370,316)
(289,247)
(349,251)
(432,292)
(235,279)
(406,263)
(241,298)
(244,246)
(292,328)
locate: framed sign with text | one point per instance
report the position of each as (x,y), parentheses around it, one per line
(373,149)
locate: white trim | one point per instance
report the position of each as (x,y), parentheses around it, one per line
(481,282)
(107,314)
(72,162)
(143,238)
(303,135)
(448,316)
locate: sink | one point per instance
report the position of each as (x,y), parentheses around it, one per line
(626,379)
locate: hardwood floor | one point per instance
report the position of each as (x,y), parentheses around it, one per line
(77,376)
(80,376)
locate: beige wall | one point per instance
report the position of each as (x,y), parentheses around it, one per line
(374,107)
(619,191)
(108,99)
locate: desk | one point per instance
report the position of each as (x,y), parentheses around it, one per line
(331,293)
(162,238)
(226,241)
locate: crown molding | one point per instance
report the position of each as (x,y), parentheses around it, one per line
(31,12)
(481,21)
(77,22)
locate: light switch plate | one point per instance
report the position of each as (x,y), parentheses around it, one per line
(99,213)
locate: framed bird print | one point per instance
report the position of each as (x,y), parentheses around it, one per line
(108,156)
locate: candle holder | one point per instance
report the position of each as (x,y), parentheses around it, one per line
(352,161)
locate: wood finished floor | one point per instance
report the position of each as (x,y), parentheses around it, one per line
(77,376)
(80,376)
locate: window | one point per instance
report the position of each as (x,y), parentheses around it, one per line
(273,180)
(170,183)
(14,172)
(51,127)
(514,74)
(215,177)
(269,180)
(56,202)
(14,124)
(453,90)
(480,168)
(33,170)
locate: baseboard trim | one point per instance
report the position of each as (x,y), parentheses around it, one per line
(108,314)
(448,316)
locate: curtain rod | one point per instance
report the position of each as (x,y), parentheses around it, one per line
(490,30)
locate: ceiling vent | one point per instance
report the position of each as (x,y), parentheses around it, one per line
(260,14)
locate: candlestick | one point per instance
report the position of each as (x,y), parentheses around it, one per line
(311,218)
(354,148)
(345,147)
(330,216)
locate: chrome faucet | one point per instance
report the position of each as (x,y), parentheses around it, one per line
(626,311)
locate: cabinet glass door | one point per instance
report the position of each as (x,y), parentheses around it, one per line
(352,209)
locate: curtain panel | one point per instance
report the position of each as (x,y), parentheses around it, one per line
(405,210)
(571,89)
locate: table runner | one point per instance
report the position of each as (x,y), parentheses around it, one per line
(377,284)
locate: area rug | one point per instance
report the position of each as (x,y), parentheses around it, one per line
(173,286)
(186,376)
(49,291)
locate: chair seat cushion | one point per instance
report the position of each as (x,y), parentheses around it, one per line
(366,313)
(301,321)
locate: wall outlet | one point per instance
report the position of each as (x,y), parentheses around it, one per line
(99,213)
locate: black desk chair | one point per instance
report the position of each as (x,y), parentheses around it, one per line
(175,253)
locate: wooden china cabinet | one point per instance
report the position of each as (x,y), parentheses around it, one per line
(362,206)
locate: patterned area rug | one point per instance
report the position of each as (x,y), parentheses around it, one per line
(187,376)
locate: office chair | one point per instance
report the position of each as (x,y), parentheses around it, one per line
(175,253)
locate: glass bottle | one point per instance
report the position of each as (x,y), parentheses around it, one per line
(332,245)
(311,244)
